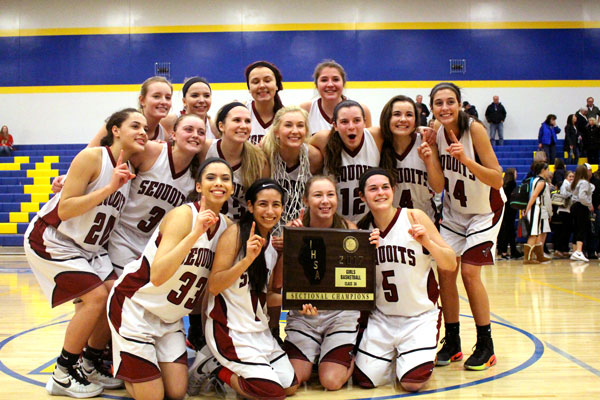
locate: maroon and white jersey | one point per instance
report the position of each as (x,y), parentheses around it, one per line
(161,134)
(240,308)
(236,205)
(259,127)
(317,119)
(412,189)
(406,284)
(153,193)
(177,297)
(354,164)
(464,192)
(90,230)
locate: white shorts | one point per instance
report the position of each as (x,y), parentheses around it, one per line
(263,367)
(141,340)
(410,341)
(472,236)
(65,279)
(329,336)
(124,246)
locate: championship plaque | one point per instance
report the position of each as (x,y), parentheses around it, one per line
(332,269)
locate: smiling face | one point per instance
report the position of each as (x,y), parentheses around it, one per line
(190,134)
(330,84)
(350,124)
(132,134)
(237,125)
(291,130)
(216,184)
(266,209)
(262,84)
(157,102)
(322,200)
(378,193)
(198,99)
(403,118)
(445,106)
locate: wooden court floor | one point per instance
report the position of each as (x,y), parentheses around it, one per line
(545,323)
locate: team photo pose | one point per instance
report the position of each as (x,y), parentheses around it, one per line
(264,82)
(471,218)
(64,246)
(404,327)
(163,182)
(330,80)
(197,99)
(325,338)
(148,302)
(349,149)
(240,283)
(248,161)
(408,158)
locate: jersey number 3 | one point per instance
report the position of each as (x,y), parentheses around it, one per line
(188,279)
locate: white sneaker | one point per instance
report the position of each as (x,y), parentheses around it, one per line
(578,256)
(200,370)
(100,375)
(71,383)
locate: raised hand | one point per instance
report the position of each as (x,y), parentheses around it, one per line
(121,174)
(424,151)
(309,310)
(205,218)
(417,231)
(297,223)
(254,244)
(428,135)
(374,237)
(456,149)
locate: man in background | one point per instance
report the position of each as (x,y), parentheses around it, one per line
(495,115)
(592,110)
(423,111)
(470,109)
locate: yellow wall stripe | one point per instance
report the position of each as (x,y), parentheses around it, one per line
(120,30)
(309,85)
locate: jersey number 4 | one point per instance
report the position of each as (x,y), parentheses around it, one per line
(459,191)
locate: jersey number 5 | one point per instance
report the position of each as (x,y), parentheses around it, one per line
(390,291)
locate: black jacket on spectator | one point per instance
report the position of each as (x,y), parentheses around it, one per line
(558,177)
(571,136)
(495,113)
(596,194)
(424,113)
(581,122)
(593,138)
(472,111)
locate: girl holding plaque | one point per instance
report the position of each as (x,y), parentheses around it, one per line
(472,215)
(326,338)
(349,149)
(240,284)
(404,326)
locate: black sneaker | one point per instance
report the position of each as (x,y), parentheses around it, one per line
(483,356)
(516,256)
(450,351)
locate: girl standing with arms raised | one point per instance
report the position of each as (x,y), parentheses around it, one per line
(64,245)
(472,214)
(330,79)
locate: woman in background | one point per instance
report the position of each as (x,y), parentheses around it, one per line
(6,142)
(507,235)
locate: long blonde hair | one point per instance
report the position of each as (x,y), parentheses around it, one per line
(146,85)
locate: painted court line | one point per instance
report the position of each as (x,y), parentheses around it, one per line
(585,296)
(573,359)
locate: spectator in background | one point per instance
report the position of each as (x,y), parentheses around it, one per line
(495,115)
(470,109)
(582,120)
(547,136)
(562,224)
(537,217)
(592,133)
(423,111)
(6,142)
(592,109)
(591,243)
(507,233)
(573,140)
(559,172)
(581,206)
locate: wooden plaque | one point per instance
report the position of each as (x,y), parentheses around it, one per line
(332,269)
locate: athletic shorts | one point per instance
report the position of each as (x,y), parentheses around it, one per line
(256,357)
(141,340)
(76,273)
(125,245)
(472,236)
(329,336)
(409,341)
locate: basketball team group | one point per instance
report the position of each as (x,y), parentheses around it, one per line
(168,215)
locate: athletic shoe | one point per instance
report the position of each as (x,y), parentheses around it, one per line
(215,385)
(71,382)
(450,351)
(483,357)
(578,256)
(99,374)
(199,372)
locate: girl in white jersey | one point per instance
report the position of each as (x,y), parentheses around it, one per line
(155,292)
(64,245)
(240,283)
(248,161)
(349,149)
(403,328)
(471,218)
(325,338)
(408,158)
(197,99)
(164,181)
(154,103)
(264,82)
(330,79)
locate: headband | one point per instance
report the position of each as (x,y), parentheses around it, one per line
(225,110)
(193,80)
